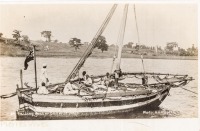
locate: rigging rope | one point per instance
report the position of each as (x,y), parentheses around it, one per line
(136,24)
(138,35)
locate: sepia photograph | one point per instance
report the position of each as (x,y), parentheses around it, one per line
(96,61)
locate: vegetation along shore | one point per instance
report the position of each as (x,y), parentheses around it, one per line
(74,49)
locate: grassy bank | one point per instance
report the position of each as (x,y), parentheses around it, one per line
(66,51)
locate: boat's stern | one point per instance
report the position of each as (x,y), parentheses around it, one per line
(25,101)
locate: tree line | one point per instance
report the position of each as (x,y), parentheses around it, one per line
(171,48)
(74,42)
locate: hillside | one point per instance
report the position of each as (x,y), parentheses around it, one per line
(65,50)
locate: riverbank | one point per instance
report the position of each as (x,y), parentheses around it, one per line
(66,51)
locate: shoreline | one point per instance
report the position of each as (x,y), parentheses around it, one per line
(66,51)
(103,57)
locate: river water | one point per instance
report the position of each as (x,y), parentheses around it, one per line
(180,103)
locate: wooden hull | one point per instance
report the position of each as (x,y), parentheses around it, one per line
(66,109)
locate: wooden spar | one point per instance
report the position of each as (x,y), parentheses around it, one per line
(35,66)
(121,36)
(21,78)
(17,86)
(126,73)
(150,73)
(93,44)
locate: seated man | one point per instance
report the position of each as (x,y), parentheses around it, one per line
(103,85)
(42,89)
(70,88)
(84,75)
(107,79)
(88,81)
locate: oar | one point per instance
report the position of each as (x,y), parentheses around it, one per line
(8,95)
(15,93)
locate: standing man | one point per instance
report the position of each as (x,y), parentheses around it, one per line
(117,75)
(43,76)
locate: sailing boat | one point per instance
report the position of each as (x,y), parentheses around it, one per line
(118,98)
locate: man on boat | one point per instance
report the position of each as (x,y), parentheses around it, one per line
(88,81)
(87,84)
(117,74)
(43,76)
(102,84)
(107,80)
(43,89)
(70,88)
(84,75)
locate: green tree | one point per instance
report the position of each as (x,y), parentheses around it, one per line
(47,35)
(101,44)
(75,42)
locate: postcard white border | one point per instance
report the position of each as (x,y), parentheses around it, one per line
(164,124)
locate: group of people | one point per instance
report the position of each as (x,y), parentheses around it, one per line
(85,82)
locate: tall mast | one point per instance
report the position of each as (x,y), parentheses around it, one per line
(35,66)
(121,36)
(93,44)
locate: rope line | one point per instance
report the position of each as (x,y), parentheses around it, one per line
(136,24)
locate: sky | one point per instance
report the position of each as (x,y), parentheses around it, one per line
(157,23)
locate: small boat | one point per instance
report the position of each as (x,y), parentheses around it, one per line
(133,91)
(128,98)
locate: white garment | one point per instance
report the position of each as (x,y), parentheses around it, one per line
(99,86)
(70,89)
(43,76)
(88,81)
(116,75)
(42,90)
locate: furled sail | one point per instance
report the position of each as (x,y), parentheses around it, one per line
(121,36)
